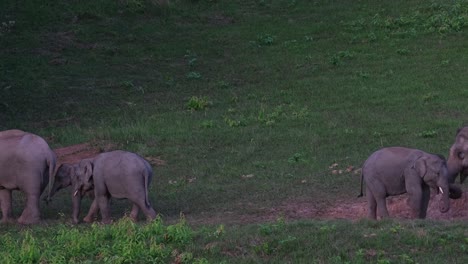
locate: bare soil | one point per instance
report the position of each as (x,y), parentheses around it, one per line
(351,209)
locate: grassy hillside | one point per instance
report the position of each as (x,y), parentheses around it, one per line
(249,103)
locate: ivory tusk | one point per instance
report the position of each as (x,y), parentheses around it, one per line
(441,191)
(76,192)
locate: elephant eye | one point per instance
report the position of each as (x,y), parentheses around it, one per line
(461,155)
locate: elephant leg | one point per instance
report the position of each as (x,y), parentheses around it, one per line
(379,194)
(382,206)
(415,202)
(31,214)
(426,195)
(104,202)
(134,213)
(372,209)
(94,208)
(147,210)
(5,204)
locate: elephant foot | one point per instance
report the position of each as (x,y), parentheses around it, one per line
(88,219)
(28,220)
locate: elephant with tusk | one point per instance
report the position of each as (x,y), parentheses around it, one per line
(457,161)
(118,174)
(27,164)
(397,170)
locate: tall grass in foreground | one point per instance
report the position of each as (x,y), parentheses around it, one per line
(122,242)
(389,241)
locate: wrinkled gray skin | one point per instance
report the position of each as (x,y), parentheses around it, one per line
(457,161)
(26,164)
(118,174)
(397,170)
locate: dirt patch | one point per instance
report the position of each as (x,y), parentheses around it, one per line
(75,153)
(353,209)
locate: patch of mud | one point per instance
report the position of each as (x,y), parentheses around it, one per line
(351,210)
(75,153)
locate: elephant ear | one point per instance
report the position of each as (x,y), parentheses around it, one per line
(420,166)
(87,166)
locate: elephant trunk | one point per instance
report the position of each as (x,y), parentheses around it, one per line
(453,168)
(51,162)
(76,203)
(444,201)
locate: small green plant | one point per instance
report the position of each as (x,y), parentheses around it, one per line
(430,96)
(296,158)
(220,230)
(192,62)
(234,123)
(194,75)
(270,118)
(363,75)
(396,228)
(179,233)
(224,84)
(372,37)
(6,27)
(403,51)
(207,124)
(337,58)
(405,258)
(198,103)
(265,40)
(301,114)
(428,134)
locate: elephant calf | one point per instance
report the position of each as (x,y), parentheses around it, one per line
(118,174)
(397,170)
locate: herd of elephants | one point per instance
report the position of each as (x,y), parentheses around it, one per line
(28,164)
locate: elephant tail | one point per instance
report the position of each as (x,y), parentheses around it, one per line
(148,176)
(362,180)
(51,162)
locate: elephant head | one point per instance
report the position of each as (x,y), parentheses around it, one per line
(62,178)
(80,177)
(433,170)
(82,181)
(457,162)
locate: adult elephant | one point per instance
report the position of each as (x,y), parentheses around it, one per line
(397,170)
(119,174)
(457,162)
(27,164)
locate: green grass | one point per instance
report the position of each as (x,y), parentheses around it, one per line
(276,90)
(276,242)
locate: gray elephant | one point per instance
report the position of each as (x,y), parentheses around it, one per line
(27,164)
(457,161)
(397,170)
(117,174)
